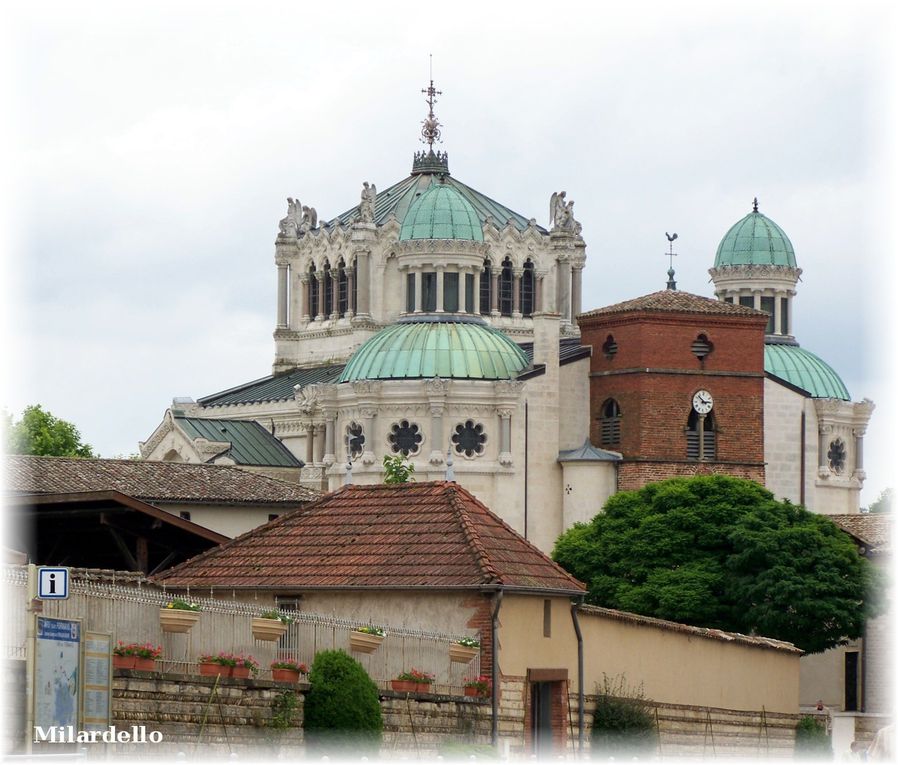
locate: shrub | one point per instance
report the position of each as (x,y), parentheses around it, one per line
(811,740)
(342,709)
(623,723)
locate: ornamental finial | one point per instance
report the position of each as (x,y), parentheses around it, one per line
(754,205)
(430,131)
(671,282)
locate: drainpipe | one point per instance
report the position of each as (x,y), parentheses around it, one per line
(494,670)
(526,453)
(580,695)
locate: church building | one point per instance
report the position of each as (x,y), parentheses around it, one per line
(433,322)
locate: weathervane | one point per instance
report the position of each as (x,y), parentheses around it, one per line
(431,130)
(671,284)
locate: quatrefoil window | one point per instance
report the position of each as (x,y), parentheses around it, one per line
(355,438)
(469,439)
(405,437)
(837,455)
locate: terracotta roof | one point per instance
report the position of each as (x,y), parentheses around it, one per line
(414,535)
(150,481)
(676,301)
(706,632)
(873,530)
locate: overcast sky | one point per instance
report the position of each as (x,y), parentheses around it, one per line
(152,146)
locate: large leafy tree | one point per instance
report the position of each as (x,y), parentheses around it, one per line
(721,552)
(42,434)
(883,503)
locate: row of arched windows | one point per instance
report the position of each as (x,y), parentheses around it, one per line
(699,432)
(333,290)
(504,300)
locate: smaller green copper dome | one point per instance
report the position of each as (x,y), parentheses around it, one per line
(804,370)
(754,241)
(432,346)
(441,212)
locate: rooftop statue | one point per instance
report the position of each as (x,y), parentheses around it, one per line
(309,218)
(562,213)
(289,225)
(366,206)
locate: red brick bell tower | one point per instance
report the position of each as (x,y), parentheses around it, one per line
(677,386)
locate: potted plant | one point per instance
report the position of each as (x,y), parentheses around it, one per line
(479,687)
(178,615)
(464,649)
(413,681)
(217,664)
(243,666)
(270,625)
(366,639)
(136,656)
(287,670)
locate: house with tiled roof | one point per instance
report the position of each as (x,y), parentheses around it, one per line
(135,514)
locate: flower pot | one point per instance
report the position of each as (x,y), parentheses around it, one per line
(268,629)
(362,642)
(145,665)
(404,686)
(285,675)
(475,692)
(423,687)
(461,653)
(123,662)
(241,672)
(209,668)
(177,620)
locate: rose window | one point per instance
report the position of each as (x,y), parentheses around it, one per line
(469,439)
(836,455)
(355,439)
(405,437)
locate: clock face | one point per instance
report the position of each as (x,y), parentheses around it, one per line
(702,402)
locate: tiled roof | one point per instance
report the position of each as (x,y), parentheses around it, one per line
(273,387)
(250,443)
(676,301)
(413,535)
(588,453)
(874,530)
(150,481)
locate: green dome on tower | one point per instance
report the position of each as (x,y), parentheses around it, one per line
(434,346)
(441,212)
(755,241)
(804,370)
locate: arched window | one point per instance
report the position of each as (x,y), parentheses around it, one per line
(313,292)
(506,288)
(355,440)
(328,290)
(355,286)
(701,437)
(486,288)
(610,423)
(528,281)
(342,289)
(609,347)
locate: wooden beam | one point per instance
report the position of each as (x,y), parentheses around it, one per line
(123,549)
(163,563)
(143,555)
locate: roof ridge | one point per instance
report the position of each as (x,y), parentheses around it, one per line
(471,534)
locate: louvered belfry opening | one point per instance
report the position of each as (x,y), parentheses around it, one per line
(698,431)
(701,347)
(610,423)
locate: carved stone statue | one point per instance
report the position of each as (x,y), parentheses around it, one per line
(289,225)
(366,206)
(309,218)
(562,213)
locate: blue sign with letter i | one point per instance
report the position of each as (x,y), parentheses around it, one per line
(52,583)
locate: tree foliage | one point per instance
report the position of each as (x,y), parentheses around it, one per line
(397,469)
(883,503)
(42,434)
(342,709)
(811,740)
(721,552)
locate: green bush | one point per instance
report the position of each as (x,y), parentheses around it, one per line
(811,740)
(623,723)
(342,708)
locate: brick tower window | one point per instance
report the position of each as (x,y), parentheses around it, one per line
(701,347)
(610,422)
(609,347)
(701,437)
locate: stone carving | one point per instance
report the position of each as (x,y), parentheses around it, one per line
(366,206)
(504,412)
(365,387)
(508,387)
(436,386)
(307,398)
(561,213)
(367,413)
(309,218)
(289,225)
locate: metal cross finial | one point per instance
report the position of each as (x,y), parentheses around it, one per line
(754,205)
(430,131)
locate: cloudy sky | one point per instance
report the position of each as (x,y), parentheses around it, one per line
(151,147)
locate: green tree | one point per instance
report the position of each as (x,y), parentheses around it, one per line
(721,552)
(397,469)
(342,708)
(42,434)
(883,503)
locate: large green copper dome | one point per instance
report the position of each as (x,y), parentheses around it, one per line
(433,346)
(804,370)
(755,241)
(441,212)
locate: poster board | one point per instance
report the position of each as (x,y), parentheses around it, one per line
(96,688)
(57,672)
